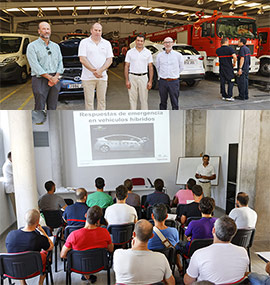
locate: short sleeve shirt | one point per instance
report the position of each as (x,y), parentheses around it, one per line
(75,214)
(118,214)
(51,202)
(184,195)
(19,241)
(96,55)
(100,199)
(225,60)
(207,170)
(245,53)
(133,199)
(138,60)
(244,217)
(84,239)
(170,233)
(192,210)
(157,197)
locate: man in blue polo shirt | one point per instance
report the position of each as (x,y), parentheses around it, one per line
(74,214)
(226,54)
(243,69)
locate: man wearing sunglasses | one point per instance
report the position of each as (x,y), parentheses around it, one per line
(46,64)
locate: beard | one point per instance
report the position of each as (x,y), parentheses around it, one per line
(46,36)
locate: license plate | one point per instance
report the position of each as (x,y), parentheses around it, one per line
(74,86)
(189,61)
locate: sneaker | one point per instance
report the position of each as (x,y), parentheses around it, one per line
(231,99)
(223,98)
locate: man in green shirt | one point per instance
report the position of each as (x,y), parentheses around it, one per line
(99,198)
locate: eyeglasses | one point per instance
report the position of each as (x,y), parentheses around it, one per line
(168,42)
(48,49)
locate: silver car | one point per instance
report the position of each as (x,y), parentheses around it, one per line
(120,142)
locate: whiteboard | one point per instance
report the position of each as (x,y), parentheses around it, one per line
(187,167)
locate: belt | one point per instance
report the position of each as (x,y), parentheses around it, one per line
(169,79)
(204,181)
(138,74)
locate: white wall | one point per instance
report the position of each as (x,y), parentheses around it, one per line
(222,128)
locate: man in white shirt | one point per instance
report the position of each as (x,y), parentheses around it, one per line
(138,265)
(96,56)
(205,173)
(121,213)
(243,216)
(169,65)
(137,61)
(221,262)
(8,180)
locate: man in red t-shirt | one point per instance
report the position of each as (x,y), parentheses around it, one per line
(89,237)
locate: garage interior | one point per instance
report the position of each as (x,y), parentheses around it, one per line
(122,19)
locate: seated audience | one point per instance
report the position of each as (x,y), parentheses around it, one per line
(138,265)
(30,238)
(89,237)
(260,279)
(99,198)
(192,209)
(200,229)
(221,262)
(243,216)
(184,195)
(158,196)
(120,213)
(133,199)
(75,215)
(51,201)
(159,215)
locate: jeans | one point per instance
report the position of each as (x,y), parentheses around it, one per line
(259,279)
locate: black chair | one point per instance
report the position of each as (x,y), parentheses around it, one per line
(194,245)
(121,234)
(69,229)
(170,253)
(139,212)
(244,238)
(22,266)
(179,211)
(69,201)
(88,262)
(53,219)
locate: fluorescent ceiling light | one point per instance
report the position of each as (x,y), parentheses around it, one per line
(158,10)
(127,7)
(113,7)
(239,2)
(171,11)
(253,4)
(183,13)
(207,16)
(98,7)
(47,9)
(266,7)
(66,8)
(220,0)
(144,8)
(193,14)
(31,9)
(13,10)
(83,8)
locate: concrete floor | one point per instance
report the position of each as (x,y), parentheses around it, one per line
(203,96)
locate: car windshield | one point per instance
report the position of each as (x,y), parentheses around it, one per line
(186,50)
(236,27)
(10,44)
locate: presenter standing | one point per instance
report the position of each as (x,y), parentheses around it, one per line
(205,173)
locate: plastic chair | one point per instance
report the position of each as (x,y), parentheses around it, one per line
(121,234)
(22,266)
(244,238)
(88,262)
(194,245)
(69,201)
(138,181)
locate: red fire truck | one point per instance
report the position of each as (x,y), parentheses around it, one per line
(206,33)
(264,50)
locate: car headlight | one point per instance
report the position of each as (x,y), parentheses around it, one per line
(10,59)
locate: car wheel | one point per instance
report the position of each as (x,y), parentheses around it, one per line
(265,67)
(22,76)
(192,82)
(104,148)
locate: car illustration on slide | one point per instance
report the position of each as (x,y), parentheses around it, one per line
(120,142)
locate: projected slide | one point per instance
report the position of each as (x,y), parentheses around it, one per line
(121,137)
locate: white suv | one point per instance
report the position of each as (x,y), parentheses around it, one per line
(193,71)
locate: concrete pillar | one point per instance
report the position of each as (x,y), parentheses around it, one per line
(195,128)
(24,171)
(55,147)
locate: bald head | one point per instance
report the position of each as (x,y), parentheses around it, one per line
(143,230)
(44,30)
(81,194)
(96,31)
(168,39)
(32,217)
(168,44)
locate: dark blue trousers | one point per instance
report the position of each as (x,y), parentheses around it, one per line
(242,83)
(223,82)
(168,88)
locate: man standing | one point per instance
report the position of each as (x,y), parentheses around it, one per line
(205,173)
(226,54)
(45,59)
(243,216)
(221,262)
(96,57)
(169,65)
(8,180)
(138,59)
(139,265)
(243,69)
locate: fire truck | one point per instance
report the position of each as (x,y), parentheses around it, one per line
(264,50)
(206,33)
